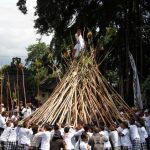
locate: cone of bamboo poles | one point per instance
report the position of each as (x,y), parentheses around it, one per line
(83,94)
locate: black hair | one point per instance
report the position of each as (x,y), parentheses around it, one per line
(81,123)
(125,123)
(47,127)
(96,129)
(86,127)
(132,121)
(84,136)
(66,129)
(142,123)
(62,125)
(102,127)
(35,129)
(56,127)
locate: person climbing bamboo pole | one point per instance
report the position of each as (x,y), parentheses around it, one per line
(80,44)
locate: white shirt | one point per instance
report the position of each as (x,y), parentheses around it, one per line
(12,135)
(14,118)
(147,121)
(79,46)
(119,129)
(143,134)
(106,134)
(147,124)
(83,146)
(115,138)
(5,134)
(36,140)
(9,134)
(79,133)
(2,122)
(89,134)
(45,141)
(26,112)
(68,140)
(61,131)
(134,132)
(125,139)
(80,40)
(24,136)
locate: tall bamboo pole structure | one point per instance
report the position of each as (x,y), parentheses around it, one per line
(83,94)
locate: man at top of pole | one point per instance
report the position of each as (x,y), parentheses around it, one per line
(80,44)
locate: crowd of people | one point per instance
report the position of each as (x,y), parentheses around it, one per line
(132,134)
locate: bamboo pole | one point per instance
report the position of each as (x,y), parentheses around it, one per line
(82,94)
(18,103)
(10,94)
(24,88)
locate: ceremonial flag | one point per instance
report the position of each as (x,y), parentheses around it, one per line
(136,84)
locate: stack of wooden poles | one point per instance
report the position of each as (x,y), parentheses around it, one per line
(83,94)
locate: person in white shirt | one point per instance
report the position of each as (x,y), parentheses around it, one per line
(97,141)
(67,136)
(56,128)
(134,134)
(79,131)
(5,134)
(15,117)
(57,142)
(26,111)
(24,136)
(62,126)
(83,143)
(115,139)
(125,137)
(147,126)
(105,133)
(9,137)
(143,135)
(12,139)
(35,140)
(45,138)
(147,121)
(87,130)
(2,122)
(79,45)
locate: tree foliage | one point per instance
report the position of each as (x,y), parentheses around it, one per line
(129,18)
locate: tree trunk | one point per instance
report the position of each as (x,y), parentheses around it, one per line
(24,89)
(17,87)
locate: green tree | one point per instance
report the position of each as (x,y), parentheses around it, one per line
(130,18)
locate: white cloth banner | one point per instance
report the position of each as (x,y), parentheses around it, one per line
(136,84)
